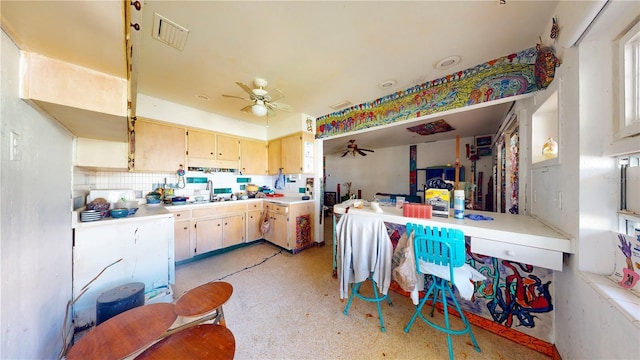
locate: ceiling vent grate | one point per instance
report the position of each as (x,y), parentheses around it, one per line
(341,105)
(168,32)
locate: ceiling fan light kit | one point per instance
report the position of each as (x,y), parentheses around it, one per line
(263,103)
(259,109)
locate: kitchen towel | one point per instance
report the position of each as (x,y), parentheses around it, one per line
(280,180)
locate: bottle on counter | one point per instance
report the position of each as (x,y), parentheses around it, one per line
(458,204)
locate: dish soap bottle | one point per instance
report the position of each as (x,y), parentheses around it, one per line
(550,149)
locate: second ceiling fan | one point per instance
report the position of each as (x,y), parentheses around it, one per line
(353,148)
(263,102)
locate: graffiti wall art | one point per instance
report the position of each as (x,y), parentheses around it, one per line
(509,75)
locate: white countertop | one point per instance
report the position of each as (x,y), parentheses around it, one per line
(145,212)
(513,229)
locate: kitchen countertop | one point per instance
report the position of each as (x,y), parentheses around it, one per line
(285,200)
(147,212)
(508,228)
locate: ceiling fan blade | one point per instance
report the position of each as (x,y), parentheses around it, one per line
(369,150)
(270,111)
(278,95)
(361,152)
(247,89)
(236,97)
(345,153)
(246,108)
(280,106)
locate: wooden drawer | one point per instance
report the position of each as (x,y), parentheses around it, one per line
(282,209)
(548,259)
(219,210)
(181,215)
(254,205)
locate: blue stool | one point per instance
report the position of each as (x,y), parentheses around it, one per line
(364,250)
(355,291)
(441,247)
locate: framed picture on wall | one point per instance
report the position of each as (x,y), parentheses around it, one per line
(329,198)
(483,141)
(484,151)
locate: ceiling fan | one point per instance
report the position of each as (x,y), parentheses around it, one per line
(263,102)
(353,148)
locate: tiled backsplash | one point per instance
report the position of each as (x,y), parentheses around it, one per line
(86,180)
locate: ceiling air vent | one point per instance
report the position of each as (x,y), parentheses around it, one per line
(168,32)
(341,105)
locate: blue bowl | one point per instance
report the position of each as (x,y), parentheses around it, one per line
(119,213)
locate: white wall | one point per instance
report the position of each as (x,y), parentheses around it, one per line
(35,230)
(387,169)
(587,325)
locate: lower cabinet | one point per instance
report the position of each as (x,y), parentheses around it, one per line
(205,228)
(291,226)
(182,236)
(278,233)
(208,235)
(218,233)
(232,230)
(254,219)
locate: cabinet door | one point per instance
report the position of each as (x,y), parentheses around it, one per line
(278,230)
(158,147)
(208,235)
(253,157)
(253,225)
(275,161)
(182,234)
(227,147)
(201,145)
(233,230)
(292,154)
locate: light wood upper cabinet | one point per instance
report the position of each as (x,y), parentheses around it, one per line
(158,147)
(297,154)
(201,144)
(253,157)
(227,148)
(275,161)
(201,148)
(211,150)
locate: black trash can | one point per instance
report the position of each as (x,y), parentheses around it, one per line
(118,300)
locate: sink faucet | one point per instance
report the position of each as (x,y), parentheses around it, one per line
(210,188)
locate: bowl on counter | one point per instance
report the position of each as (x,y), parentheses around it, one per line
(129,204)
(119,213)
(154,199)
(179,200)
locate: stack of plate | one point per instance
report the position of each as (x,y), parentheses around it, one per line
(90,215)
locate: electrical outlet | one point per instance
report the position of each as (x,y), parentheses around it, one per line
(560,200)
(14,143)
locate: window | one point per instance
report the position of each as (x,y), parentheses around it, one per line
(629,57)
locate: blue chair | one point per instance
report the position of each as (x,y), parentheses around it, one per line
(444,247)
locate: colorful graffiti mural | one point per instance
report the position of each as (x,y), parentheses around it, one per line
(509,75)
(515,295)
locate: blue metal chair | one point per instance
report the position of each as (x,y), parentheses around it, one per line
(377,298)
(365,245)
(441,247)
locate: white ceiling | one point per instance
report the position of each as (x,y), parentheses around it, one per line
(318,53)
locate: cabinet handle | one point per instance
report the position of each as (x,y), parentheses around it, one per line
(510,253)
(185,228)
(177,215)
(220,154)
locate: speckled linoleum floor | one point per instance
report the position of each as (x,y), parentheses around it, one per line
(287,306)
